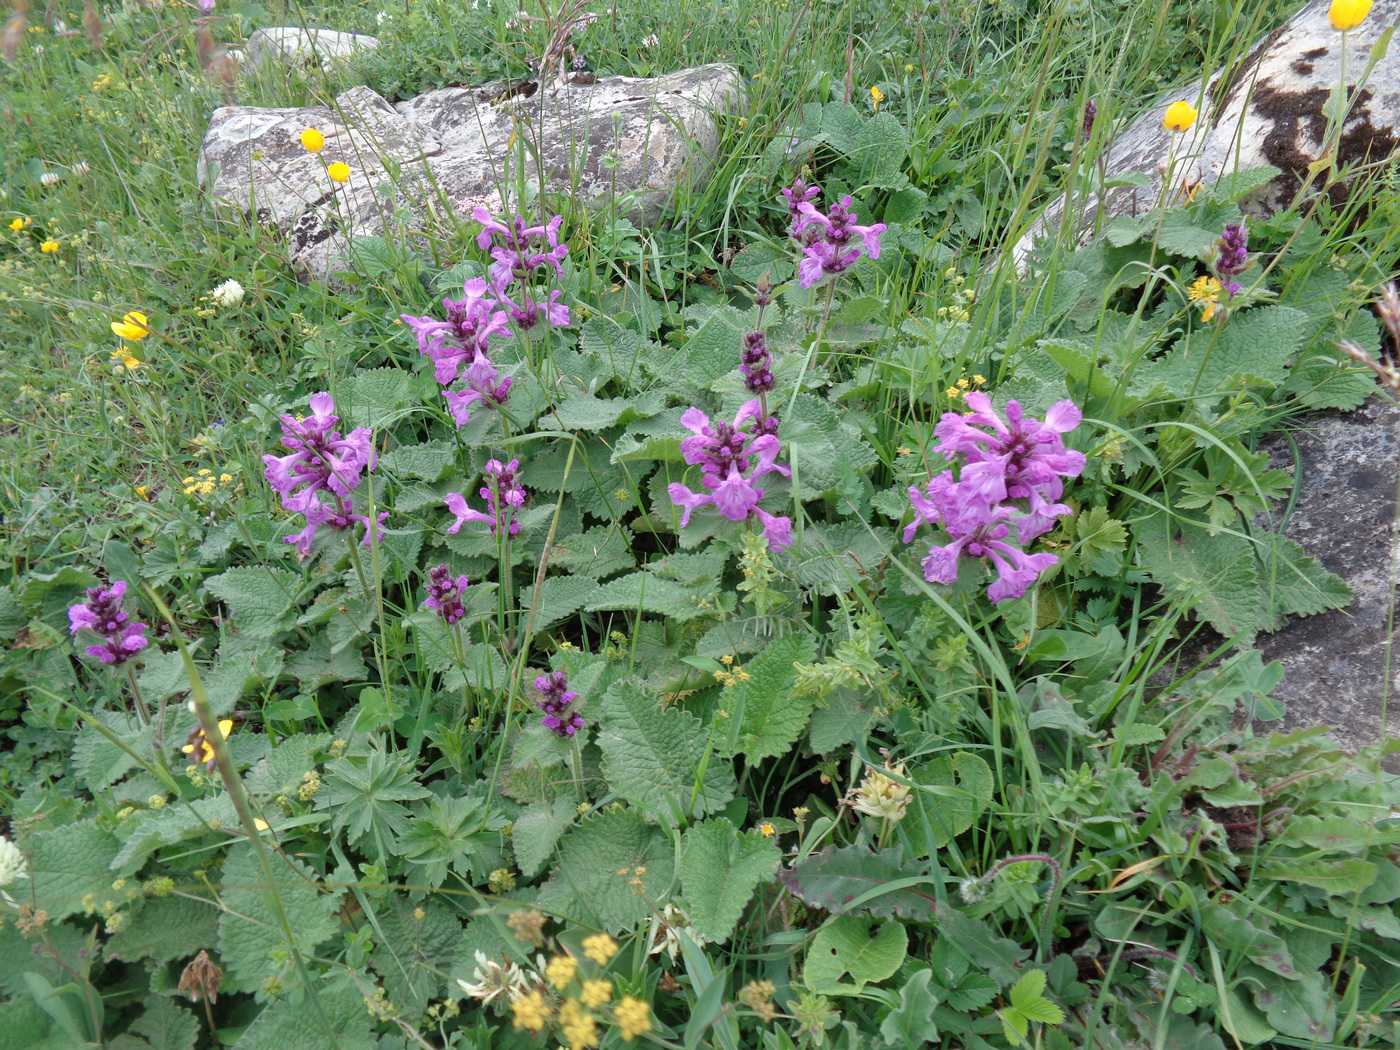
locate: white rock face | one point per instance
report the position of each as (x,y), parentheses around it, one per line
(294,45)
(448,151)
(1265,110)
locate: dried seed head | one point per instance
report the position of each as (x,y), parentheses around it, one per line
(200,979)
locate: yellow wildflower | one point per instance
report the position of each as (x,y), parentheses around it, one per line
(103,82)
(224,479)
(561,971)
(979,380)
(1180,115)
(49,247)
(953,393)
(908,67)
(595,993)
(767,830)
(19,222)
(312,140)
(338,172)
(600,948)
(126,359)
(876,97)
(1205,292)
(530,1011)
(133,327)
(260,825)
(205,750)
(1348,14)
(633,1017)
(578,1026)
(143,491)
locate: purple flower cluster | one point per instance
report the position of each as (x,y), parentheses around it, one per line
(102,614)
(321,470)
(731,459)
(1232,253)
(1011,474)
(460,346)
(503,494)
(445,593)
(556,701)
(829,240)
(757,364)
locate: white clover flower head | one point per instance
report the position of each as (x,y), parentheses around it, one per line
(882,796)
(651,41)
(50,178)
(971,890)
(81,168)
(665,932)
(227,295)
(492,979)
(12,867)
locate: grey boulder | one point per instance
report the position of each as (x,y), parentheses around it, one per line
(292,45)
(435,158)
(1265,110)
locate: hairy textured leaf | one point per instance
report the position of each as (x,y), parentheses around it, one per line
(251,937)
(652,755)
(68,864)
(336,1021)
(427,461)
(155,828)
(597,552)
(166,928)
(259,597)
(765,716)
(560,598)
(854,945)
(1213,576)
(1254,345)
(720,869)
(536,831)
(417,945)
(166,1025)
(1297,583)
(598,865)
(646,592)
(836,877)
(961,786)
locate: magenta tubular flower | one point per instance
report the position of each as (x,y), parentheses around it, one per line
(321,471)
(1033,454)
(832,242)
(472,322)
(556,701)
(527,313)
(515,246)
(503,494)
(485,385)
(101,614)
(756,364)
(731,459)
(796,195)
(1233,250)
(445,593)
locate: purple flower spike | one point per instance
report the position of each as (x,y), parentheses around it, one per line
(102,615)
(832,242)
(445,593)
(484,385)
(1233,248)
(556,701)
(515,246)
(1011,473)
(472,322)
(731,459)
(756,363)
(796,195)
(321,471)
(503,494)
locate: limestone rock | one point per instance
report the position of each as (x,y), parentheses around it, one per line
(296,46)
(1267,109)
(448,151)
(1334,663)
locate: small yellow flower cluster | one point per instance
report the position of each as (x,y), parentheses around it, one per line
(502,880)
(963,385)
(882,796)
(767,829)
(49,247)
(758,997)
(633,1017)
(102,83)
(1205,291)
(528,926)
(203,483)
(876,97)
(595,993)
(731,674)
(600,948)
(122,357)
(963,298)
(561,971)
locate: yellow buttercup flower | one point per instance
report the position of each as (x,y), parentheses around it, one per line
(560,971)
(876,97)
(133,327)
(312,140)
(1180,115)
(600,948)
(339,171)
(49,247)
(1205,292)
(1348,14)
(767,830)
(633,1017)
(18,223)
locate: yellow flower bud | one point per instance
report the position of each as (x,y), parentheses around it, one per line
(1348,14)
(1180,115)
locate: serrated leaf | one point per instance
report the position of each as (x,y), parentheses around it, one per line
(560,598)
(1297,583)
(1213,576)
(536,832)
(417,945)
(598,863)
(1252,346)
(251,936)
(427,461)
(152,829)
(836,878)
(765,716)
(854,945)
(1135,734)
(337,1021)
(1237,185)
(98,761)
(599,552)
(712,350)
(646,592)
(165,928)
(374,397)
(720,869)
(259,598)
(166,1025)
(69,863)
(652,756)
(594,413)
(281,772)
(1183,233)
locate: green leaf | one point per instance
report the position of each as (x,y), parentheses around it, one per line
(594,413)
(1303,1009)
(365,793)
(1335,877)
(1253,346)
(536,832)
(1297,583)
(98,761)
(152,829)
(258,597)
(648,593)
(765,716)
(880,148)
(1213,576)
(69,863)
(281,772)
(593,883)
(1027,996)
(599,552)
(651,755)
(336,1021)
(417,946)
(720,869)
(855,945)
(1236,185)
(560,598)
(1182,233)
(427,461)
(836,877)
(374,397)
(910,1023)
(712,350)
(960,788)
(166,1025)
(1233,932)
(980,944)
(251,937)
(165,928)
